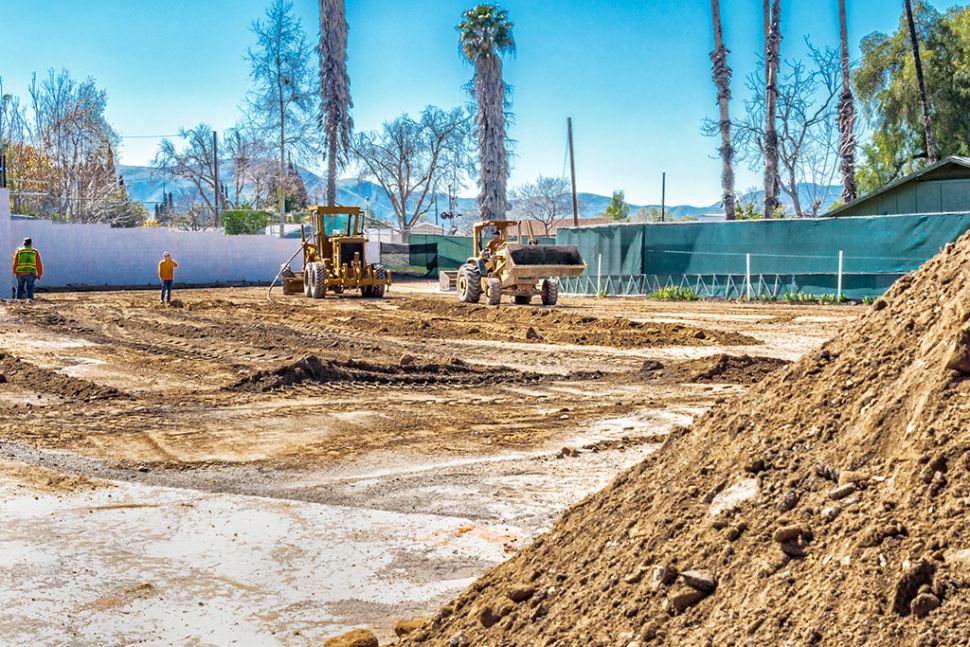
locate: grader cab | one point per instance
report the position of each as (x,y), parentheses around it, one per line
(502,265)
(334,257)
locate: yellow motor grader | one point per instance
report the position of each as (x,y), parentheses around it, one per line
(334,257)
(501,265)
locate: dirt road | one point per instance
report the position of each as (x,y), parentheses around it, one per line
(233,470)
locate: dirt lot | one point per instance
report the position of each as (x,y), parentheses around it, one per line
(230,470)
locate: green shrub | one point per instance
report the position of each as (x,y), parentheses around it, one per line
(674,293)
(244,220)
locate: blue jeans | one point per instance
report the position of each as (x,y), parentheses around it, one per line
(167,289)
(25,286)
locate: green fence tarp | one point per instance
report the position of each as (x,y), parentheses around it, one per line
(607,249)
(797,255)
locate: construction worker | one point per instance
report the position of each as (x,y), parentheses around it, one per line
(166,272)
(488,252)
(27,267)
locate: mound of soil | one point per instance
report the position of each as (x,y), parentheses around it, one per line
(826,506)
(311,369)
(730,369)
(27,376)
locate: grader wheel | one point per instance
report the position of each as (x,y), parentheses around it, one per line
(381,275)
(318,278)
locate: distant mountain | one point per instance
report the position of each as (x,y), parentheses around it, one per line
(145,186)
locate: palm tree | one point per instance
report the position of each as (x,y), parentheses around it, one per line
(485,33)
(846,117)
(722,79)
(927,125)
(772,46)
(335,119)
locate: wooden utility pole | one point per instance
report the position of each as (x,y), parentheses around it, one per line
(663,195)
(215,177)
(572,171)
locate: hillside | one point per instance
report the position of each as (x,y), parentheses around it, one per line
(146,187)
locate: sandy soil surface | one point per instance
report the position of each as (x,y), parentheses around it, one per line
(233,470)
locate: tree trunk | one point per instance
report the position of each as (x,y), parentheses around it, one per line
(722,79)
(492,201)
(928,126)
(846,117)
(772,47)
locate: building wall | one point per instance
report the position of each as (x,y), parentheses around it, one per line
(917,197)
(100,256)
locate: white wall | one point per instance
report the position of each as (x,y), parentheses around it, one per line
(7,280)
(99,256)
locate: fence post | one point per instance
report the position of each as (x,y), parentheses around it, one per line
(838,290)
(747,273)
(599,269)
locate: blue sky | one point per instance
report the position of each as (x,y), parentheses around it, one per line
(634,75)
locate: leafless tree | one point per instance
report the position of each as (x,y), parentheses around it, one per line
(253,168)
(76,145)
(807,141)
(722,80)
(410,158)
(548,200)
(194,162)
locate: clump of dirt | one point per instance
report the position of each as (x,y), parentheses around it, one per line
(24,375)
(730,369)
(827,506)
(312,369)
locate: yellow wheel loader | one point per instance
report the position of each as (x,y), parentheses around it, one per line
(334,257)
(503,266)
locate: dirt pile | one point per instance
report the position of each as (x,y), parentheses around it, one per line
(311,369)
(827,506)
(722,368)
(25,375)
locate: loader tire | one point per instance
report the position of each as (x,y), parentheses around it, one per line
(550,291)
(523,299)
(493,291)
(377,291)
(319,287)
(469,284)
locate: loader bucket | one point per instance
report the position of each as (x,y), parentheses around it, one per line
(534,262)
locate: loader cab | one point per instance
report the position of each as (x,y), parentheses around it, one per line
(484,232)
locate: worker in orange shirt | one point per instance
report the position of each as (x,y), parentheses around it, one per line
(27,267)
(166,272)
